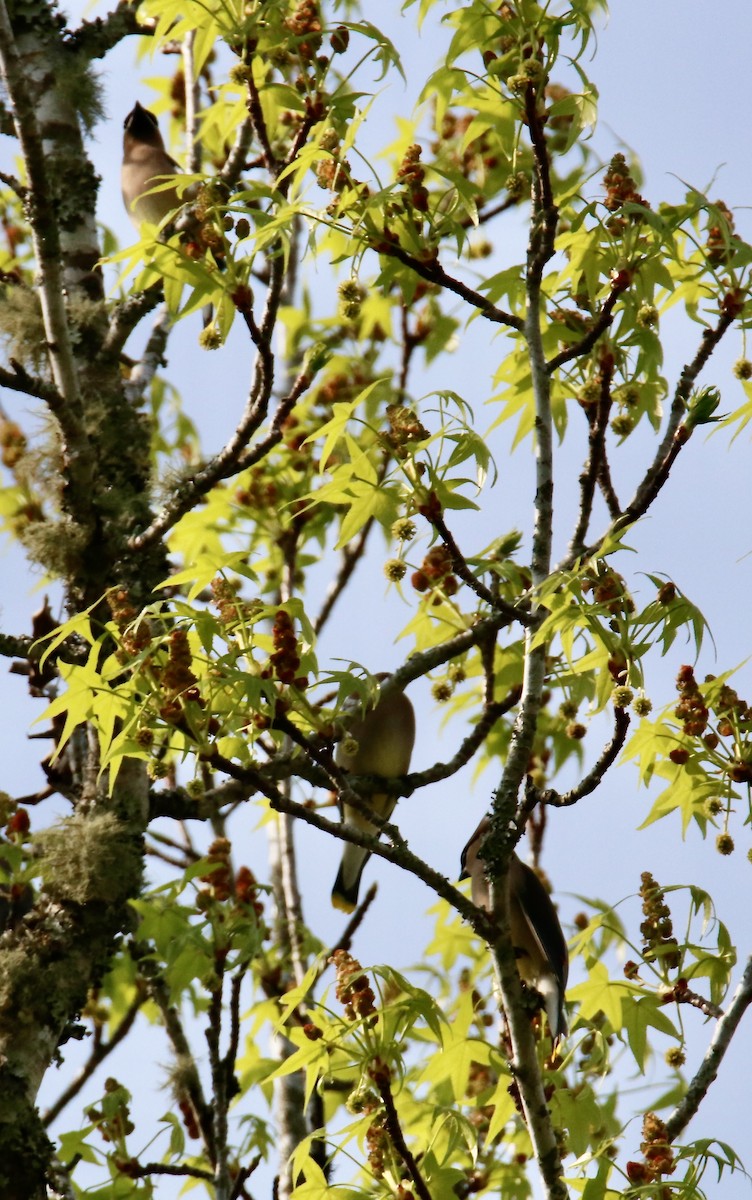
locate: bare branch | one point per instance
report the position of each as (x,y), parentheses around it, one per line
(135,1170)
(15,647)
(14,184)
(508,818)
(601,323)
(151,359)
(95,39)
(595,775)
(19,380)
(380,1075)
(351,556)
(598,423)
(126,316)
(708,1070)
(673,441)
(230,457)
(235,161)
(435,273)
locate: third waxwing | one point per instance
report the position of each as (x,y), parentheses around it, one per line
(145,163)
(540,947)
(385,737)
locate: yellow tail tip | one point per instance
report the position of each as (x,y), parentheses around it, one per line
(342,904)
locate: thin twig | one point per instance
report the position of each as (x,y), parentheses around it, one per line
(600,325)
(397,854)
(351,556)
(435,273)
(595,775)
(151,359)
(460,567)
(228,459)
(380,1076)
(136,1170)
(598,424)
(256,113)
(100,1051)
(674,439)
(190,1077)
(14,184)
(344,942)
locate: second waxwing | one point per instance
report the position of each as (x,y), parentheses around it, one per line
(377,743)
(537,937)
(145,164)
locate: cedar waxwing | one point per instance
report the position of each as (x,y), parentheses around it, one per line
(145,163)
(542,957)
(385,737)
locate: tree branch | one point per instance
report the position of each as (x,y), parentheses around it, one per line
(673,441)
(507,815)
(47,250)
(435,273)
(380,1075)
(619,285)
(708,1069)
(460,567)
(19,380)
(594,777)
(230,457)
(598,424)
(95,39)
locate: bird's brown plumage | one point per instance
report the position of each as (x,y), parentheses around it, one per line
(540,946)
(385,736)
(145,164)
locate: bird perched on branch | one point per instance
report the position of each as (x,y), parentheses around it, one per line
(378,743)
(145,165)
(539,944)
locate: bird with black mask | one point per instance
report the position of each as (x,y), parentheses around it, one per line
(147,164)
(540,947)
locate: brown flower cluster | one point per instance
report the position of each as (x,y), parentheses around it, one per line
(177,678)
(412,174)
(435,573)
(659,1157)
(377,1141)
(733,721)
(219,879)
(352,988)
(691,709)
(657,929)
(305,24)
(285,660)
(620,190)
(136,636)
(608,588)
(405,427)
(12,443)
(720,235)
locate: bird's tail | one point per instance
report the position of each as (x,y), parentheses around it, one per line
(347,883)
